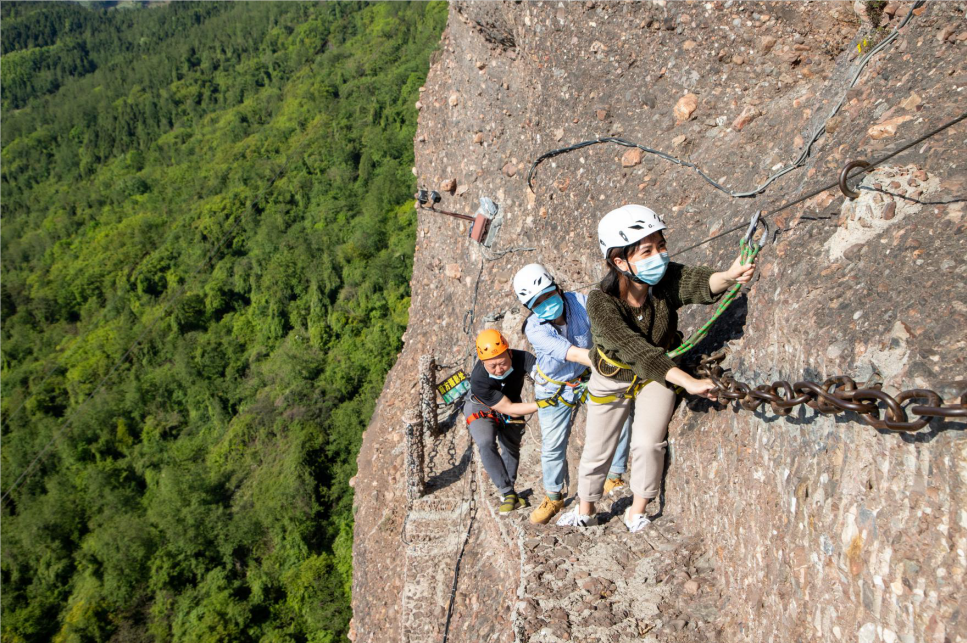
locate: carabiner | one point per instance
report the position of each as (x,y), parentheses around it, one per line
(757,220)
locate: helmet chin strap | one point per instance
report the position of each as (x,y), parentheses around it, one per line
(631,276)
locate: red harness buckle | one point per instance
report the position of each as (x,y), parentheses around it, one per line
(482,414)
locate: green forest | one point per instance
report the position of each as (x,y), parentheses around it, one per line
(207,239)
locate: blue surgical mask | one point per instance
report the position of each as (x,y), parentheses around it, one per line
(501,377)
(652,269)
(550,309)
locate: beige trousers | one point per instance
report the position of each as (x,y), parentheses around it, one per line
(653,409)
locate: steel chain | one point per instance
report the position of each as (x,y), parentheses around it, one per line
(452,450)
(431,456)
(836,394)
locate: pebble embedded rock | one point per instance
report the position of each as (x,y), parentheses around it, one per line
(685,107)
(888,128)
(631,158)
(748,114)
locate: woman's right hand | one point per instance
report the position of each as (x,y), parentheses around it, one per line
(702,388)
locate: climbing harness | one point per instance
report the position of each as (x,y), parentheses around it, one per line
(617,365)
(579,384)
(496,416)
(493,415)
(629,393)
(836,394)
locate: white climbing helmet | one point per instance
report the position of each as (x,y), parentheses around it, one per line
(626,225)
(531,282)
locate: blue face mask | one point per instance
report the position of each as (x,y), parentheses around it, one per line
(501,377)
(652,269)
(550,309)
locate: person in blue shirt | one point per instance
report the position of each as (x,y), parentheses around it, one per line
(560,333)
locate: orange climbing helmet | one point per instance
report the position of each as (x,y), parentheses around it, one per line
(490,343)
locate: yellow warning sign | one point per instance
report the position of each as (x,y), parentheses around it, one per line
(453,387)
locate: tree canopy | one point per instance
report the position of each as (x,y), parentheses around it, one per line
(207,242)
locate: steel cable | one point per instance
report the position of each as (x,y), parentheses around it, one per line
(800,160)
(873,164)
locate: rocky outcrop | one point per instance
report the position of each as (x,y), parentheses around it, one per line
(804,527)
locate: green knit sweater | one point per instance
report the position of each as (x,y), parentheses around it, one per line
(640,337)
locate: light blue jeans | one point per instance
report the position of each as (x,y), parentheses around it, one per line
(556,422)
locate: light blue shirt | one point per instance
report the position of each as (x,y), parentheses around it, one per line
(551,343)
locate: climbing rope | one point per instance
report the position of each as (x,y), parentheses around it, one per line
(799,162)
(748,251)
(836,394)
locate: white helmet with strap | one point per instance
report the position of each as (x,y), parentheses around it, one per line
(531,282)
(627,225)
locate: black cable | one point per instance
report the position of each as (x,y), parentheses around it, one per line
(907,198)
(834,184)
(463,547)
(800,160)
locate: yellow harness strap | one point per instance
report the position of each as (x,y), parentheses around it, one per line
(572,383)
(629,394)
(617,365)
(559,394)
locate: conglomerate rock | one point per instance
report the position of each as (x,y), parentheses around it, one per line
(799,528)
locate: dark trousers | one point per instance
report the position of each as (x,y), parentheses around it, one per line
(501,465)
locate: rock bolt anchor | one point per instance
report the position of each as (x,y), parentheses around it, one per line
(844,175)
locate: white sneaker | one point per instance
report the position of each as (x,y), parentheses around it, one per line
(635,522)
(574,518)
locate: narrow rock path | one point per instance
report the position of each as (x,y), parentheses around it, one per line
(603,583)
(595,584)
(433,541)
(433,534)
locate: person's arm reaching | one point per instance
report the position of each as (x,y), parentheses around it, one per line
(737,273)
(693,386)
(579,355)
(514,409)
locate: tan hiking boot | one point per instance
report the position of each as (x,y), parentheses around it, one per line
(613,483)
(547,509)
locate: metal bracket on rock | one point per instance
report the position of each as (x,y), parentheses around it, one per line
(493,211)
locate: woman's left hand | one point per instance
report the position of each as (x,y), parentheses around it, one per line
(739,272)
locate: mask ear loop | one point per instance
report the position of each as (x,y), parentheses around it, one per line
(627,274)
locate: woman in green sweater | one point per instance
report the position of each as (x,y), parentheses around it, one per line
(634,323)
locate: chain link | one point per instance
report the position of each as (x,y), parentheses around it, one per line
(836,394)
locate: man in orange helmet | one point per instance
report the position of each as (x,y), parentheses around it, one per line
(493,408)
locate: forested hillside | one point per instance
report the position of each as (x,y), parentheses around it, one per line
(206,246)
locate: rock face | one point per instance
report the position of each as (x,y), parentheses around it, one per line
(800,528)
